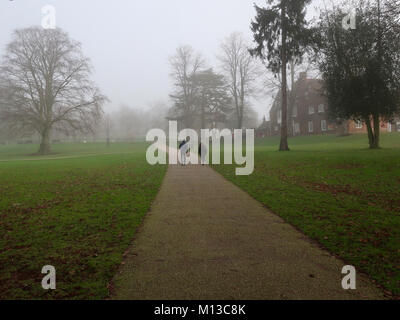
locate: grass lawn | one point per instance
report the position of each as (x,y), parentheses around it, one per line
(78,213)
(337,192)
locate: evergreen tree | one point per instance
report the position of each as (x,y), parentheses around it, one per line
(281,35)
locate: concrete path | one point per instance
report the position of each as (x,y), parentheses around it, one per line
(205,238)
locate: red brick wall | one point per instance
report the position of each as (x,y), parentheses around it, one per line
(352,127)
(308,93)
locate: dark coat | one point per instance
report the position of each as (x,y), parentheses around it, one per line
(182,144)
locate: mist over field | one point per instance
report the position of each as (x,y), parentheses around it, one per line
(129,43)
(200,150)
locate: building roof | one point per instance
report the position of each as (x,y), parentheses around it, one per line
(302,86)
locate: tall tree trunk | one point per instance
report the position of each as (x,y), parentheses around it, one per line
(203,116)
(284,135)
(240,121)
(239,112)
(375,117)
(236,100)
(373,129)
(370,132)
(377,128)
(291,132)
(45,142)
(241,103)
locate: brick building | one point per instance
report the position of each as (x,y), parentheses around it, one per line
(307,115)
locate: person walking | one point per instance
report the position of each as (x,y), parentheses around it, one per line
(183,148)
(202,153)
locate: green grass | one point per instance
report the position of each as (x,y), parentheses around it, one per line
(77,213)
(338,192)
(63,150)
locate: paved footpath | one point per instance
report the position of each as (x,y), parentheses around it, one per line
(205,238)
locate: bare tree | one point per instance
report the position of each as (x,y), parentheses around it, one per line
(46,78)
(185,64)
(241,71)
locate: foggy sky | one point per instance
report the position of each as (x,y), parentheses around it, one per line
(129,41)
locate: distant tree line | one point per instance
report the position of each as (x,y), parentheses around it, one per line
(201,94)
(45,83)
(128,123)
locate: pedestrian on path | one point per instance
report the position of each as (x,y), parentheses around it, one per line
(183,148)
(202,153)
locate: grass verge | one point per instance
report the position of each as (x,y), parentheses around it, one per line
(337,192)
(78,215)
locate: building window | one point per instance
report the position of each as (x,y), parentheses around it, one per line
(296,128)
(276,128)
(310,126)
(311,110)
(359,125)
(323,125)
(321,108)
(295,111)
